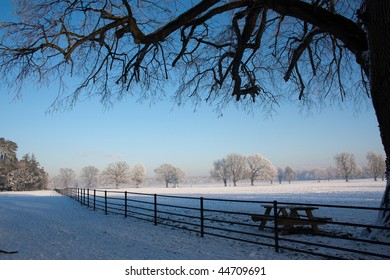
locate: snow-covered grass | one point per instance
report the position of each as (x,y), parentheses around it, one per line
(45,225)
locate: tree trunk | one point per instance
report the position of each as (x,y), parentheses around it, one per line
(378,26)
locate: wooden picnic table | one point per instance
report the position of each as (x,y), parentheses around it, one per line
(290,216)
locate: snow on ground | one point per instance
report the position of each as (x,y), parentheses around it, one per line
(45,225)
(335,192)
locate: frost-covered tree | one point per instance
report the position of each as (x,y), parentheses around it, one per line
(320,174)
(8,150)
(169,174)
(66,177)
(116,173)
(28,175)
(280,174)
(89,176)
(220,171)
(346,165)
(236,167)
(18,175)
(8,159)
(290,174)
(271,173)
(259,168)
(138,174)
(180,177)
(331,172)
(376,165)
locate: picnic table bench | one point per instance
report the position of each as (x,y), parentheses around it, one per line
(290,216)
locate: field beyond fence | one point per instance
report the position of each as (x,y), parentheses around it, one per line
(346,234)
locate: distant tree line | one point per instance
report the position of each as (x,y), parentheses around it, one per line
(116,174)
(235,167)
(25,174)
(346,167)
(232,168)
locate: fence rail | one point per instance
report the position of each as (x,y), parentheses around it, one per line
(340,238)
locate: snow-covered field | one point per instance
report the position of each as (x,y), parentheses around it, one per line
(44,225)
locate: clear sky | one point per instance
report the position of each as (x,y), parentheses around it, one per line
(163,133)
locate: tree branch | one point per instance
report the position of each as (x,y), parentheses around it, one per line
(344,29)
(299,50)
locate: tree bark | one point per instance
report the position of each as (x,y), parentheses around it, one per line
(378,26)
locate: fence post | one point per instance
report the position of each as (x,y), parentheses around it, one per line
(125,204)
(105,202)
(201,217)
(276,232)
(88,198)
(94,200)
(155,209)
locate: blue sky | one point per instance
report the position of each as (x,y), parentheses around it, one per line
(163,133)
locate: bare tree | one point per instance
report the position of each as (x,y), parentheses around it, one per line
(236,167)
(169,174)
(260,168)
(331,172)
(138,174)
(320,174)
(165,173)
(220,171)
(180,177)
(270,173)
(290,174)
(346,165)
(376,165)
(89,176)
(116,174)
(225,50)
(280,174)
(66,177)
